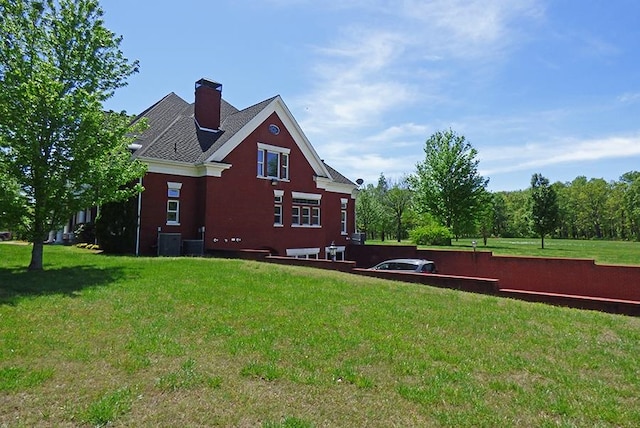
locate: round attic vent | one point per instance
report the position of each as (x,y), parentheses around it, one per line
(274,129)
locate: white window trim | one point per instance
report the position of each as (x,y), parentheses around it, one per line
(172,185)
(303,252)
(282,170)
(175,187)
(300,216)
(344,226)
(269,147)
(277,193)
(302,195)
(177,211)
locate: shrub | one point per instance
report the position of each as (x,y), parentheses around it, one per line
(116,227)
(85,233)
(433,234)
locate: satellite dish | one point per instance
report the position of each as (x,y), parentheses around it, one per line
(359,181)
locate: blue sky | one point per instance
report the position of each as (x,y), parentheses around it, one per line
(536,86)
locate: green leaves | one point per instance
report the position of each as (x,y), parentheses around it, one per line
(447,182)
(544,206)
(58,63)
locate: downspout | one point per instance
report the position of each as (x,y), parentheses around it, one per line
(138,222)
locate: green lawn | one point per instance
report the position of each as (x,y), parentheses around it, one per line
(603,252)
(98,340)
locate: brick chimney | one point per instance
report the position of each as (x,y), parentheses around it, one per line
(207,107)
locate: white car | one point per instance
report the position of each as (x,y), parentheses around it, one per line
(407,265)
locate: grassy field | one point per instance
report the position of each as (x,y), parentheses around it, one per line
(603,252)
(97,340)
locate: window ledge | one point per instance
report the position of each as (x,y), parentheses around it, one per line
(173,223)
(307,226)
(284,180)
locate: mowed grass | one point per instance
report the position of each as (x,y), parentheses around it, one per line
(603,252)
(98,340)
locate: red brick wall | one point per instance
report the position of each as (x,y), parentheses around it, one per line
(237,208)
(242,205)
(549,275)
(153,212)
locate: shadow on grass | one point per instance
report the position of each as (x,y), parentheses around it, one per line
(68,281)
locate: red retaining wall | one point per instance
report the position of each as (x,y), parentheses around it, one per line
(575,277)
(463,283)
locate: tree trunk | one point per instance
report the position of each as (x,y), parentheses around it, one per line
(542,241)
(37,237)
(36,255)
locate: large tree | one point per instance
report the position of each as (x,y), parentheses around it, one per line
(385,220)
(631,183)
(58,64)
(447,183)
(368,210)
(397,201)
(544,206)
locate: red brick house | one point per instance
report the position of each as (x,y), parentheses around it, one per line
(220,178)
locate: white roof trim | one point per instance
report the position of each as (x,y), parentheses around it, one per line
(331,186)
(185,169)
(279,107)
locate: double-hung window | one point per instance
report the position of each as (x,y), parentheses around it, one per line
(305,209)
(277,207)
(343,216)
(173,212)
(273,162)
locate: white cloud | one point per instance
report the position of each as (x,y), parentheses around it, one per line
(364,73)
(629,97)
(397,133)
(567,151)
(468,29)
(368,75)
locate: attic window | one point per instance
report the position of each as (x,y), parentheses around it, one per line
(273,162)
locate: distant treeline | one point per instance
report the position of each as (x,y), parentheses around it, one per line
(589,209)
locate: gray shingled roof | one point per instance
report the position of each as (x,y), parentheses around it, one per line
(173,135)
(336,176)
